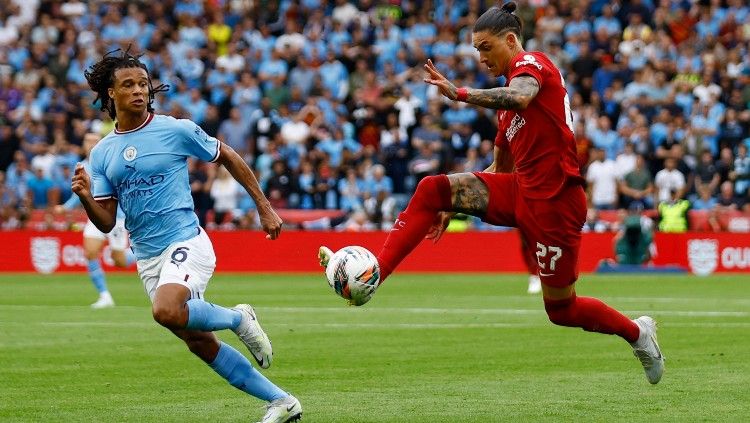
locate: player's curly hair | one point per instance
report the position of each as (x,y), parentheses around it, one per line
(101,77)
(498,20)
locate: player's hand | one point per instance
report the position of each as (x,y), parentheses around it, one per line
(437,79)
(270,222)
(81,183)
(438,226)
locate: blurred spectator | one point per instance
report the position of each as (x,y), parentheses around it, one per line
(727,200)
(280,185)
(633,243)
(669,180)
(673,213)
(637,186)
(594,223)
(350,190)
(706,174)
(602,178)
(705,200)
(741,175)
(42,189)
(224,192)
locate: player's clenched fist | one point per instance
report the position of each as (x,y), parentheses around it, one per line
(81,183)
(270,222)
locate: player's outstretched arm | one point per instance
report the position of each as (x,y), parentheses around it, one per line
(269,220)
(516,96)
(102,213)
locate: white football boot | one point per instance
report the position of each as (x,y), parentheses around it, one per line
(283,410)
(646,349)
(535,284)
(324,256)
(105,301)
(253,336)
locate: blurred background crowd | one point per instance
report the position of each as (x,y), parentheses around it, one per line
(325,99)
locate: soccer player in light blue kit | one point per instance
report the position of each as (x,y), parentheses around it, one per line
(142,166)
(93,238)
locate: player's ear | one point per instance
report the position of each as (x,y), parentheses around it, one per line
(111,93)
(510,39)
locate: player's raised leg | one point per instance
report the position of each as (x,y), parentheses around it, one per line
(174,309)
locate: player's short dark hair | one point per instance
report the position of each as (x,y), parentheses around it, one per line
(498,20)
(101,77)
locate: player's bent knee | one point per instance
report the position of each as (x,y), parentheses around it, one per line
(169,316)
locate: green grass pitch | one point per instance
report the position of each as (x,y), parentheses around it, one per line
(428,348)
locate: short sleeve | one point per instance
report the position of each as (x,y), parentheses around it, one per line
(195,142)
(527,64)
(101,187)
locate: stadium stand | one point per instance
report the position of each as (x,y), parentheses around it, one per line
(325,100)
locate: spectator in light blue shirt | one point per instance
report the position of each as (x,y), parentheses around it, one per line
(577,26)
(605,138)
(608,21)
(335,77)
(40,187)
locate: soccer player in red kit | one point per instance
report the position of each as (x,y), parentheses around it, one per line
(543,196)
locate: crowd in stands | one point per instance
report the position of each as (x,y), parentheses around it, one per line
(325,99)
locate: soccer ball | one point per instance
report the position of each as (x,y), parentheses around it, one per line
(353,272)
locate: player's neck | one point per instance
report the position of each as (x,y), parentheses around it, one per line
(129,121)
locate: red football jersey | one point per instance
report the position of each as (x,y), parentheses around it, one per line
(541,136)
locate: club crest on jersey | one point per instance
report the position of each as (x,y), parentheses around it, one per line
(517,123)
(529,60)
(130,153)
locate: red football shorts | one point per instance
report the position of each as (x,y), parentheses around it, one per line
(551,227)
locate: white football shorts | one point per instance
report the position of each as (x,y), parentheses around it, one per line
(190,263)
(117,237)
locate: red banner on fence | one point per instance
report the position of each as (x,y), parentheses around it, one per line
(242,251)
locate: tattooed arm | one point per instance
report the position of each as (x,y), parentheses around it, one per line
(516,96)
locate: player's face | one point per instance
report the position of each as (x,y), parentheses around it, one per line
(494,51)
(130,91)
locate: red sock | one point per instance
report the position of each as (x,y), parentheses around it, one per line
(433,195)
(591,315)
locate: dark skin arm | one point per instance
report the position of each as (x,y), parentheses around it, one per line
(102,213)
(516,96)
(269,220)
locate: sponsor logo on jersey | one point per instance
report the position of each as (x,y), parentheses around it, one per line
(703,256)
(517,123)
(45,254)
(130,153)
(529,60)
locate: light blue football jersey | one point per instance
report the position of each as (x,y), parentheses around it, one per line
(145,169)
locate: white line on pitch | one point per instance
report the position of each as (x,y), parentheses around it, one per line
(383,325)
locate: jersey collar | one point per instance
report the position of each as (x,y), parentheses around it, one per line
(149,118)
